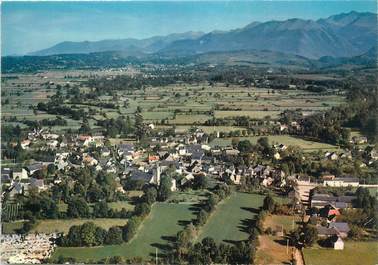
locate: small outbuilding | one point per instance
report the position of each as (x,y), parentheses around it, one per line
(338,244)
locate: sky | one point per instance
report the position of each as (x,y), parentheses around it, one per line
(31,26)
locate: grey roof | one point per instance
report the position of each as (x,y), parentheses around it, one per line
(325,231)
(319,204)
(167,163)
(126,147)
(323,197)
(35,166)
(341,205)
(194,148)
(36,182)
(6,171)
(346,199)
(341,227)
(140,175)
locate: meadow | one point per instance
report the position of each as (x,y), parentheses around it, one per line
(229,221)
(352,254)
(156,232)
(63,225)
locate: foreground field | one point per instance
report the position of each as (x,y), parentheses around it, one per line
(228,223)
(272,250)
(52,226)
(277,222)
(353,253)
(280,139)
(164,221)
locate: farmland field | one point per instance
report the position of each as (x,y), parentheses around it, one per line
(281,221)
(164,221)
(352,254)
(181,105)
(229,220)
(271,250)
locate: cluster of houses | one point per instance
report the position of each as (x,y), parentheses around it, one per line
(31,248)
(187,155)
(19,180)
(197,159)
(328,209)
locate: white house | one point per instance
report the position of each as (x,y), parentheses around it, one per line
(338,244)
(342,182)
(20,173)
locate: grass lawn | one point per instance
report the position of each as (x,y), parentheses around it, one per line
(189,196)
(163,223)
(118,205)
(63,225)
(121,204)
(278,221)
(353,253)
(228,222)
(11,227)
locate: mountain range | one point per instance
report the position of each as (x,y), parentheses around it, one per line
(342,35)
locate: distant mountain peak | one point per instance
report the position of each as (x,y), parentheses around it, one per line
(340,35)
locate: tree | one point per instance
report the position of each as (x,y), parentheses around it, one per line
(100,235)
(244,146)
(355,232)
(73,237)
(77,207)
(212,202)
(88,234)
(116,260)
(95,193)
(150,195)
(201,182)
(142,209)
(114,236)
(184,238)
(310,235)
(202,217)
(101,209)
(129,230)
(165,188)
(269,204)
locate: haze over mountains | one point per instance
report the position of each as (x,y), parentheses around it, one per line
(342,35)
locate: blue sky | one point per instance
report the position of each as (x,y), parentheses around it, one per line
(30,26)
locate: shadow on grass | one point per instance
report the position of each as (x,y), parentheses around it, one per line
(251,210)
(282,241)
(164,249)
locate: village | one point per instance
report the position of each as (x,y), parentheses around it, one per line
(188,159)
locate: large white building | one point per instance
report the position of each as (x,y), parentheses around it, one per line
(342,182)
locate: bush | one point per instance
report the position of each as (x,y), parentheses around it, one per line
(142,209)
(114,236)
(130,228)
